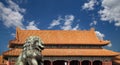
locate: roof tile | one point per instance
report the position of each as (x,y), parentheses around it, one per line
(2,61)
(60,37)
(116,61)
(67,52)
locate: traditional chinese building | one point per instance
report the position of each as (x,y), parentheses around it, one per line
(64,47)
(116,60)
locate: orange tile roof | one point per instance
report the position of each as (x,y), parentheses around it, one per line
(118,57)
(116,61)
(78,52)
(3,64)
(12,52)
(59,37)
(67,52)
(1,60)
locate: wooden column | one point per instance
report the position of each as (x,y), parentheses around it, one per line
(80,63)
(8,62)
(103,62)
(107,63)
(68,62)
(91,63)
(51,62)
(110,63)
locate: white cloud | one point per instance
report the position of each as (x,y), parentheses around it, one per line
(93,23)
(68,22)
(89,5)
(21,1)
(55,22)
(32,26)
(110,11)
(109,45)
(69,19)
(13,34)
(76,27)
(11,14)
(15,7)
(66,27)
(99,35)
(64,23)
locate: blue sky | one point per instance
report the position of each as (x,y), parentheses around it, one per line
(103,15)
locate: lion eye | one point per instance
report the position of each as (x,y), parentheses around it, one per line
(28,42)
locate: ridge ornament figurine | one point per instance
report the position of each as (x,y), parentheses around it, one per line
(31,53)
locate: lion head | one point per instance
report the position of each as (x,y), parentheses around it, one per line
(33,42)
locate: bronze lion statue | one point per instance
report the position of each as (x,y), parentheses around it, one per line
(31,53)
